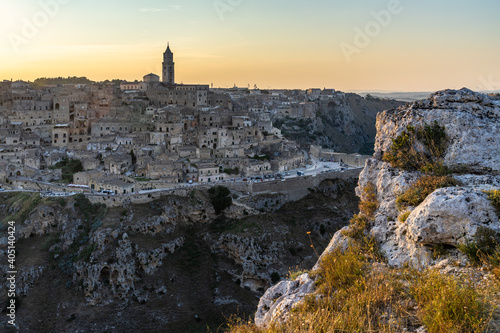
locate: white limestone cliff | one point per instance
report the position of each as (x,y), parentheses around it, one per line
(449,216)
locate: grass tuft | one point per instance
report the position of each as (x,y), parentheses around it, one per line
(404,216)
(419,190)
(447,305)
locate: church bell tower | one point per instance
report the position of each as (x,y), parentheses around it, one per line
(168,66)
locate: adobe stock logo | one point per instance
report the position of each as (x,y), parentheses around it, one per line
(488,83)
(31,26)
(224,6)
(363,37)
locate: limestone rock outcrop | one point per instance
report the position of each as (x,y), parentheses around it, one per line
(447,217)
(281,298)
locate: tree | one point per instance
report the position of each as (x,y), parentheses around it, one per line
(220,197)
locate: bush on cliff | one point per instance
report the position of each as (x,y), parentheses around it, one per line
(419,190)
(406,150)
(220,197)
(494,197)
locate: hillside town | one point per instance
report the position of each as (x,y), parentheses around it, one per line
(125,137)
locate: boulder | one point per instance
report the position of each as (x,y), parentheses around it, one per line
(278,300)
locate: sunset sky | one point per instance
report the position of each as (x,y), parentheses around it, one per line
(390,45)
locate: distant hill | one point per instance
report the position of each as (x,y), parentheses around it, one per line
(400,96)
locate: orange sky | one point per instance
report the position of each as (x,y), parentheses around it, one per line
(370,45)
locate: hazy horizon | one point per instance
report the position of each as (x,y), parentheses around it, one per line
(383,46)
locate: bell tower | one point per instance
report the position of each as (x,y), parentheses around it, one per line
(168,66)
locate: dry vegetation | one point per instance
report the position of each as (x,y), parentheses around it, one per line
(419,148)
(355,293)
(419,190)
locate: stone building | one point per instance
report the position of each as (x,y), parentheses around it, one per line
(209,173)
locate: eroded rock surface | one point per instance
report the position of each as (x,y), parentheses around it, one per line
(448,217)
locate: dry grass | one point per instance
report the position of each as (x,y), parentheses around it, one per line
(355,294)
(419,190)
(449,305)
(404,216)
(367,208)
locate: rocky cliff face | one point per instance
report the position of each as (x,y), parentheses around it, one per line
(346,123)
(171,263)
(450,215)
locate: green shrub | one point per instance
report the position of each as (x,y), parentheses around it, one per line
(21,205)
(357,226)
(494,197)
(369,203)
(484,245)
(419,190)
(234,171)
(292,275)
(68,168)
(52,240)
(438,251)
(220,197)
(404,154)
(275,277)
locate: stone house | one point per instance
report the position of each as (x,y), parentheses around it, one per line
(187,152)
(241,121)
(60,135)
(103,127)
(100,144)
(208,173)
(256,167)
(230,152)
(118,163)
(287,163)
(210,120)
(114,185)
(32,158)
(87,177)
(164,169)
(141,165)
(89,159)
